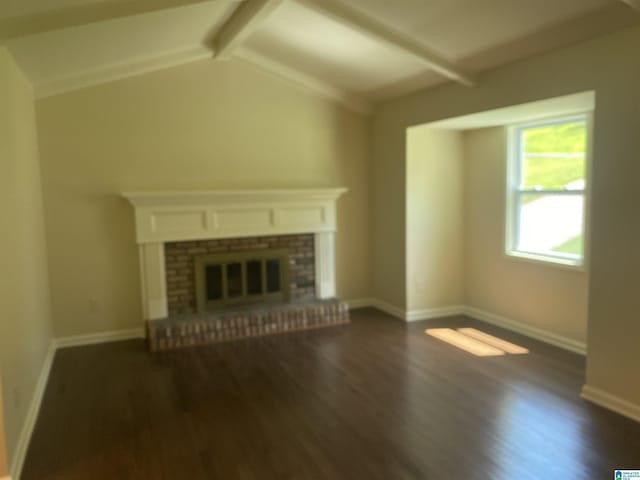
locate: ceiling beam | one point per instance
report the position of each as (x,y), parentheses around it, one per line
(57,19)
(245,20)
(633,4)
(367,26)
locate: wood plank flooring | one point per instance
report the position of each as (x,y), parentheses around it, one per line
(377,399)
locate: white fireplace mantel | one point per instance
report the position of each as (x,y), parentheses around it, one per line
(178,216)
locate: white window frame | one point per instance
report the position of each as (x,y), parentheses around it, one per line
(514,193)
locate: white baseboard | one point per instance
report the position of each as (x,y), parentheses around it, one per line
(503,322)
(611,402)
(24,438)
(429,313)
(589,393)
(102,337)
(389,308)
(416,315)
(360,303)
(528,331)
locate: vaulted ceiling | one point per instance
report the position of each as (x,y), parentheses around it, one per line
(354,51)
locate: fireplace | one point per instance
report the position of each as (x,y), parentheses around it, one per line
(236,248)
(235,271)
(241,278)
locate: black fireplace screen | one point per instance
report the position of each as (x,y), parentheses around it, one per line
(241,278)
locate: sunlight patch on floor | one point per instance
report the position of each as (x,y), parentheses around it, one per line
(476,342)
(508,347)
(463,342)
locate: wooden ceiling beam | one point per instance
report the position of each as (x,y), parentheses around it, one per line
(245,20)
(350,18)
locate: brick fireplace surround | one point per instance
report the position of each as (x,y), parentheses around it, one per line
(172,227)
(180,260)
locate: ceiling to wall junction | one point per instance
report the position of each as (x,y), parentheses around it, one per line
(355,51)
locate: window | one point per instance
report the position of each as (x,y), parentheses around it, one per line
(546,190)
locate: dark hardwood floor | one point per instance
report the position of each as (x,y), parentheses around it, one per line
(377,399)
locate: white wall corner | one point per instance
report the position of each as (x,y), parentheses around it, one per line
(24,439)
(417,315)
(389,308)
(527,330)
(611,402)
(360,303)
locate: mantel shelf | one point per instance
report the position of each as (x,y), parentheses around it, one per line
(216,197)
(177,216)
(162,217)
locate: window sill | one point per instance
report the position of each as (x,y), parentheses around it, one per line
(561,263)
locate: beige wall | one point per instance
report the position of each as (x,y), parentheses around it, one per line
(607,65)
(551,298)
(4,462)
(25,324)
(388,206)
(206,125)
(434,216)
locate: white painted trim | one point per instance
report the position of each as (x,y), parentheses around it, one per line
(24,439)
(368,26)
(29,424)
(360,303)
(611,402)
(527,330)
(224,197)
(299,79)
(110,73)
(182,216)
(76,14)
(246,19)
(153,280)
(503,322)
(102,337)
(515,159)
(429,313)
(416,315)
(389,308)
(325,264)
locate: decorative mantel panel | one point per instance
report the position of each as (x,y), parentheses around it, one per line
(177,216)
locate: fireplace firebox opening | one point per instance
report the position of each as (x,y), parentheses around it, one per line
(241,278)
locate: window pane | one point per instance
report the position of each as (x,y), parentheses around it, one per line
(254,277)
(273,275)
(234,280)
(554,156)
(551,224)
(213,275)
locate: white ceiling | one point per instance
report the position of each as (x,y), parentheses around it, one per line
(355,51)
(324,48)
(54,56)
(459,28)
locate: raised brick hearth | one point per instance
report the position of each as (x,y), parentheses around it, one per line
(246,322)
